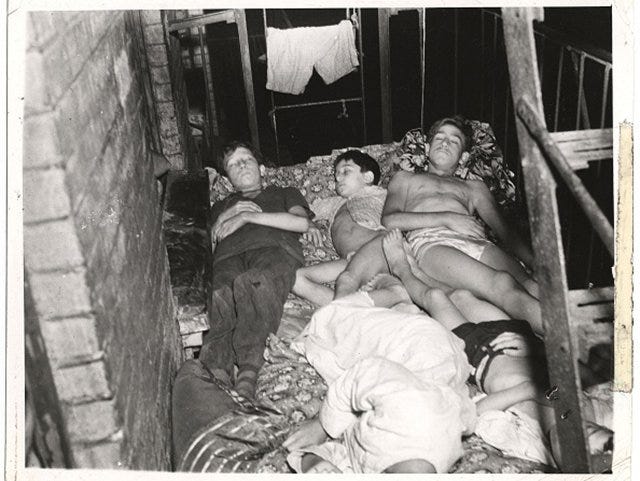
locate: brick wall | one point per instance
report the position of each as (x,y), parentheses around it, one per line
(95,258)
(169,92)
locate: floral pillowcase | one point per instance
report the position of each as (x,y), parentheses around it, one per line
(314,179)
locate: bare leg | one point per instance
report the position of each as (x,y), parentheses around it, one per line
(458,270)
(431,299)
(498,259)
(474,309)
(366,263)
(310,281)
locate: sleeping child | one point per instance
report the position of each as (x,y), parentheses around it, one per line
(508,365)
(397,394)
(436,210)
(354,216)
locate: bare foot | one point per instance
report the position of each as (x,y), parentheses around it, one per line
(312,463)
(393,247)
(310,433)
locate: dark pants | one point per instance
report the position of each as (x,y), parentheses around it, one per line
(248,293)
(197,401)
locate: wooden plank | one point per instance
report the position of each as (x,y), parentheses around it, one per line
(247,76)
(193,324)
(201,20)
(192,340)
(547,243)
(385,79)
(534,121)
(583,146)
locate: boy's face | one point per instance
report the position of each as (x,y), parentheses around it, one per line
(243,170)
(350,179)
(446,149)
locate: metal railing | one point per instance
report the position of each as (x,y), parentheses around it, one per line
(576,84)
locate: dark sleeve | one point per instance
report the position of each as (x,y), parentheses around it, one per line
(292,197)
(217,209)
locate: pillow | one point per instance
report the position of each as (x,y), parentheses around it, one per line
(485,161)
(314,179)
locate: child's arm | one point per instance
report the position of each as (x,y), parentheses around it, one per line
(295,220)
(501,400)
(488,210)
(395,216)
(310,433)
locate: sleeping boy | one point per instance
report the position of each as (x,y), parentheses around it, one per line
(256,254)
(354,216)
(436,210)
(397,395)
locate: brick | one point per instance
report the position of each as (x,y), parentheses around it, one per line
(94,421)
(160,75)
(151,17)
(36,99)
(171,145)
(69,338)
(163,92)
(40,146)
(98,456)
(177,161)
(154,34)
(60,295)
(167,117)
(52,245)
(157,55)
(84,382)
(45,195)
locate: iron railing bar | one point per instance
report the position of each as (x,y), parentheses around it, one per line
(311,104)
(507,99)
(364,113)
(493,69)
(271,113)
(560,38)
(541,59)
(484,75)
(605,92)
(558,89)
(541,135)
(455,61)
(580,80)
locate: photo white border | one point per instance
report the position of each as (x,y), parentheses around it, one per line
(624,20)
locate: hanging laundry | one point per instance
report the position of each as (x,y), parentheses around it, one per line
(293,53)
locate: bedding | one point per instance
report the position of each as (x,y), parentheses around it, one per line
(248,438)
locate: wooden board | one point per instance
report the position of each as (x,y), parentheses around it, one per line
(583,146)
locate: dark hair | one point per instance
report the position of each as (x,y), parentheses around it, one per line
(362,160)
(231,147)
(457,121)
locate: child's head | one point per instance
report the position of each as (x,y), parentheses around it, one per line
(449,142)
(240,162)
(353,171)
